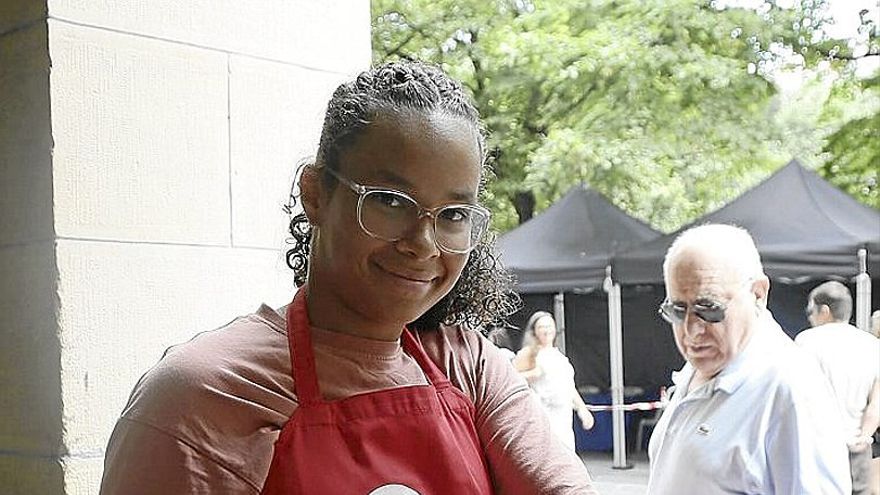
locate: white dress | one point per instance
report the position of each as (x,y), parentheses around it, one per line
(554,388)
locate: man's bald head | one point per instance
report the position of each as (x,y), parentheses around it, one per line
(730,248)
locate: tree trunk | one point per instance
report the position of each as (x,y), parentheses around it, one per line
(524,202)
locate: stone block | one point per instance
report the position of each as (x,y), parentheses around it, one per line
(141,138)
(276,112)
(123,304)
(25,137)
(15,14)
(30,401)
(82,475)
(332,35)
(31,475)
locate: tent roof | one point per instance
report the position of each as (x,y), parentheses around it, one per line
(804,228)
(570,244)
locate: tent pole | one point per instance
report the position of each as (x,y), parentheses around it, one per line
(615,342)
(863,293)
(559,316)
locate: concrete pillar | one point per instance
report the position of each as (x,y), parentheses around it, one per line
(146,149)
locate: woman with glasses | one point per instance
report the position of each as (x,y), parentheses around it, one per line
(551,377)
(374,378)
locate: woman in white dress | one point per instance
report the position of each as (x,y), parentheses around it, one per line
(551,376)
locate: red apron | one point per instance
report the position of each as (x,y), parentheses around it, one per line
(421,437)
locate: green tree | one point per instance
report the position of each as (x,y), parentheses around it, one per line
(853,148)
(662,105)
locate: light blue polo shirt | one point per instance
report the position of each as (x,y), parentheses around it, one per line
(767,424)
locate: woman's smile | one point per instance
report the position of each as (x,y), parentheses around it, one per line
(412,279)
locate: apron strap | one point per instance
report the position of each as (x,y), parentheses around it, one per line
(412,347)
(299,340)
(302,355)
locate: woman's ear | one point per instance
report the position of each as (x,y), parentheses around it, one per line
(310,193)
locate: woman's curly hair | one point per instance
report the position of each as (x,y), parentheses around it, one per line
(482,296)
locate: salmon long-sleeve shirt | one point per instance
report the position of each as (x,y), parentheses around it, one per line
(205,418)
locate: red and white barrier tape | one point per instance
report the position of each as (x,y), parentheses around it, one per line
(635,406)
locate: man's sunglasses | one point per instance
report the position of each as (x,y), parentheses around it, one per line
(708,311)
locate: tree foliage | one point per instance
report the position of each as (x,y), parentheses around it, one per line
(664,106)
(853,148)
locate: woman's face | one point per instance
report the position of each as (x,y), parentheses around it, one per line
(370,282)
(545,331)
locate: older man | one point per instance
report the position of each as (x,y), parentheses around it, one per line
(851,359)
(751,412)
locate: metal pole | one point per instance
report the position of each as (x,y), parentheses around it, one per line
(863,293)
(559,316)
(615,342)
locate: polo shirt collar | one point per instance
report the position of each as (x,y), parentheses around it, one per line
(737,371)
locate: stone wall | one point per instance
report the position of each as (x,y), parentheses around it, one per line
(146,149)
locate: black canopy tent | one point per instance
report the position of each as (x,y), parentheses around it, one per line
(566,249)
(569,245)
(804,228)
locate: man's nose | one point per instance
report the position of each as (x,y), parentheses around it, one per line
(693,324)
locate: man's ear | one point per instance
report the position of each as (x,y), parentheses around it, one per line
(311,190)
(761,288)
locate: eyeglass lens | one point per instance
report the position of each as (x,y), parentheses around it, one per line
(389,215)
(708,312)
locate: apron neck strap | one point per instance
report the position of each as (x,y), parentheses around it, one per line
(299,340)
(412,347)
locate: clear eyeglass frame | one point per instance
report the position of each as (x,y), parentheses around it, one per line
(477,211)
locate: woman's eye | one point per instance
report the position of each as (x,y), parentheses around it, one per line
(389,200)
(455,214)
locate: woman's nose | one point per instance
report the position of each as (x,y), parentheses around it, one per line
(420,240)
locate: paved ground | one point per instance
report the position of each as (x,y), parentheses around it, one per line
(610,481)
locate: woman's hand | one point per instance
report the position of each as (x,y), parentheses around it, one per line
(526,359)
(587,420)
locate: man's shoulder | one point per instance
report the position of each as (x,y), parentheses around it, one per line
(834,334)
(785,365)
(795,378)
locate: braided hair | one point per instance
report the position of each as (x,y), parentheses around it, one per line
(482,295)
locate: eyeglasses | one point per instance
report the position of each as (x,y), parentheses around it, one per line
(388,215)
(709,311)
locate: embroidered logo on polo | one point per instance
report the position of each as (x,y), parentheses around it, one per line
(393,490)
